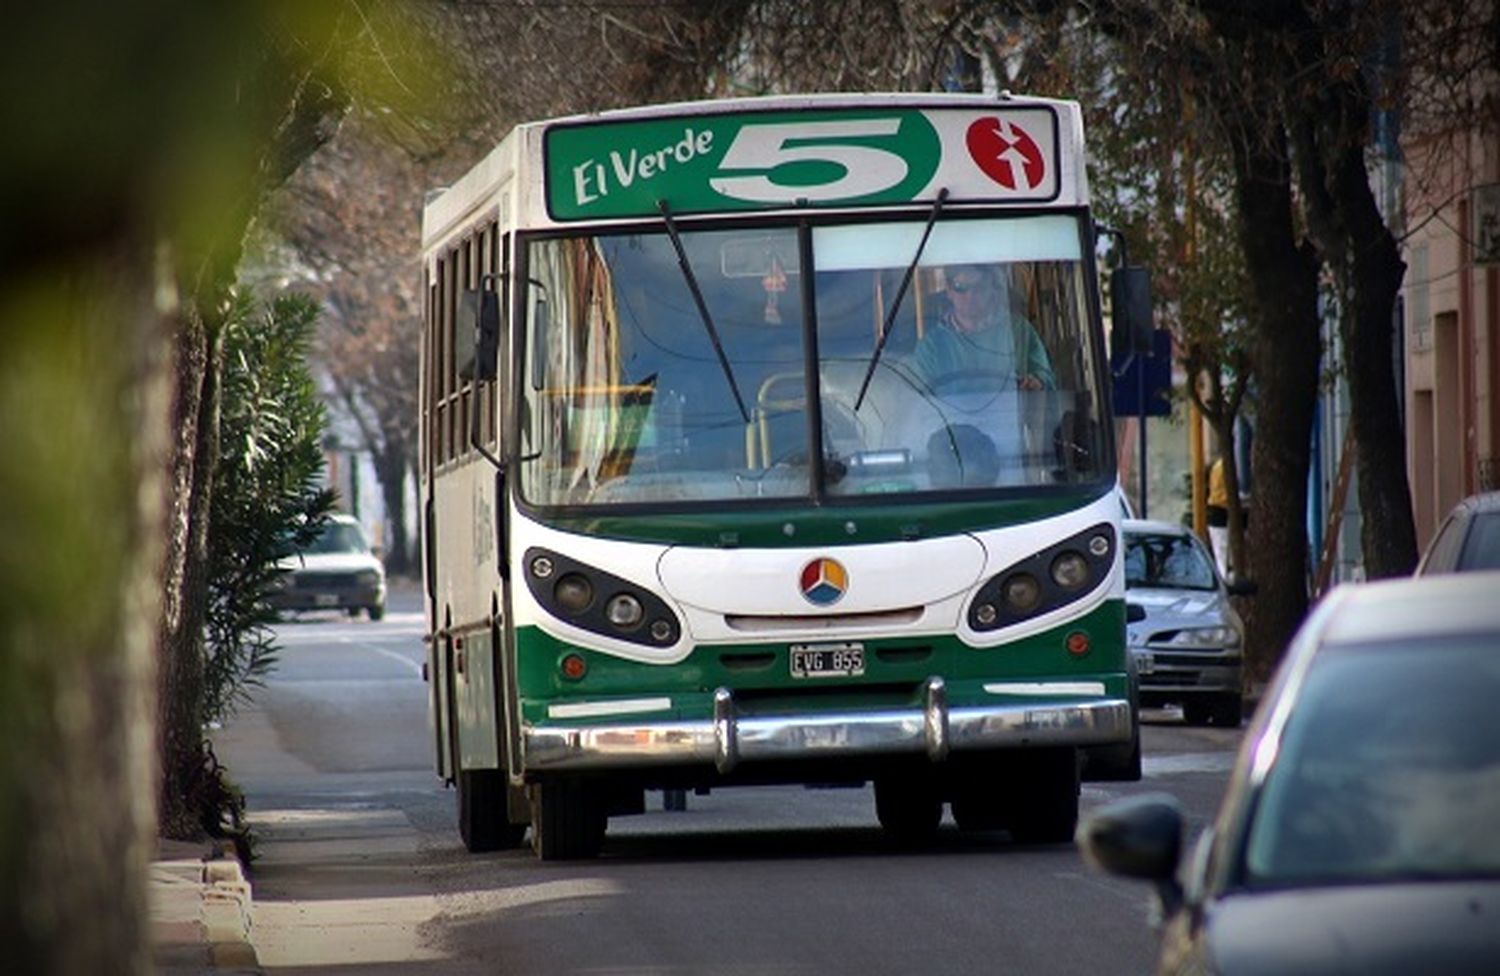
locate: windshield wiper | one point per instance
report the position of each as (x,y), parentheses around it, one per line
(708,322)
(911,269)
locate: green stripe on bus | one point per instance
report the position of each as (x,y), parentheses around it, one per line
(1040,656)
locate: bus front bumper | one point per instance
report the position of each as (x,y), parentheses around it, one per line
(730,738)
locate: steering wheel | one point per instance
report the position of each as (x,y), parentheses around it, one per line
(994,380)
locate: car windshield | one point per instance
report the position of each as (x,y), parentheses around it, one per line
(338,537)
(1482,547)
(1161,561)
(1389,768)
(633,392)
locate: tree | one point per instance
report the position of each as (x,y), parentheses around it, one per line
(352,215)
(268,501)
(141,142)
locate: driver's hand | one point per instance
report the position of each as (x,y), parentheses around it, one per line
(1029,383)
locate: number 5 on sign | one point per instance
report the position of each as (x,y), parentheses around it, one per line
(866,169)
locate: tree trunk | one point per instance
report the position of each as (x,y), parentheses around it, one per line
(1283,312)
(83,403)
(391,465)
(1388,529)
(1369,270)
(180,678)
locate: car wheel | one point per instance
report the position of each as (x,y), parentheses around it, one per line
(377,611)
(1228,711)
(1197,712)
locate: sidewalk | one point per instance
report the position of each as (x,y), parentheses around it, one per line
(200,910)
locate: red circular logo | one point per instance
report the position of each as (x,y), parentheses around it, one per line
(1006,153)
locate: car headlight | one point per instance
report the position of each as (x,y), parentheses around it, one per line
(1206,637)
(367,578)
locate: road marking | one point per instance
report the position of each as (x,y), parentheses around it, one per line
(1188,762)
(406,662)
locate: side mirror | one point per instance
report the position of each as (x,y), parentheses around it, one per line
(378,552)
(1130,304)
(1139,837)
(476,339)
(1134,613)
(1240,587)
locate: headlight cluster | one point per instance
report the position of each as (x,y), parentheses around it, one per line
(1202,637)
(368,578)
(1056,576)
(598,601)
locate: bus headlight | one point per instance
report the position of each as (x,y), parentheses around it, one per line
(573,592)
(624,611)
(1051,578)
(1022,592)
(1070,570)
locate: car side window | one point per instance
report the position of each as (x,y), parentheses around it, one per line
(1442,553)
(1482,547)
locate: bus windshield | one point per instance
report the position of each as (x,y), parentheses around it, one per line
(632,394)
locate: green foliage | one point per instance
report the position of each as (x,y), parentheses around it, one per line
(267,498)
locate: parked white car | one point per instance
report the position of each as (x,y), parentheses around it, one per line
(338,571)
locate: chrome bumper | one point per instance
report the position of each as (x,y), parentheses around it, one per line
(730,738)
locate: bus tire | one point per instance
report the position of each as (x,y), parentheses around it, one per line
(1043,797)
(482,820)
(909,808)
(568,820)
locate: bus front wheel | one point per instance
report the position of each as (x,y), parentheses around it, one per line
(1043,796)
(568,820)
(482,820)
(908,807)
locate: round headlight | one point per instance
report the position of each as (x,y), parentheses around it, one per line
(1022,592)
(985,613)
(1070,570)
(624,611)
(541,567)
(573,592)
(661,631)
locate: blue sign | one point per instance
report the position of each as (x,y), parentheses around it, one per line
(1151,375)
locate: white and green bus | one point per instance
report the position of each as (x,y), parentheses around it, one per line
(701,506)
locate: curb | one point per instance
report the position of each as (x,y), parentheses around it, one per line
(201,910)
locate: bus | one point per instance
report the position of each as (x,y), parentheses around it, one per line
(701,506)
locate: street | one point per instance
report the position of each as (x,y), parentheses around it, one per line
(359,865)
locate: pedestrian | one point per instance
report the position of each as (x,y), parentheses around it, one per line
(1218,515)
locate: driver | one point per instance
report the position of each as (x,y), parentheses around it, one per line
(982,334)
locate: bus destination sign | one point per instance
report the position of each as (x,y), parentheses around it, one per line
(763,160)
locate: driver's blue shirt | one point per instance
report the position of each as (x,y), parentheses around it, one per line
(1007,348)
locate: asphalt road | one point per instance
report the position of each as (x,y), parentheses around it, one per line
(360,870)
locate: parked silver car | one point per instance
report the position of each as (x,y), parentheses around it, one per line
(1468,539)
(1357,833)
(1183,634)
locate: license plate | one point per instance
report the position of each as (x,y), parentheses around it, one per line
(1145,663)
(828,660)
(326,600)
